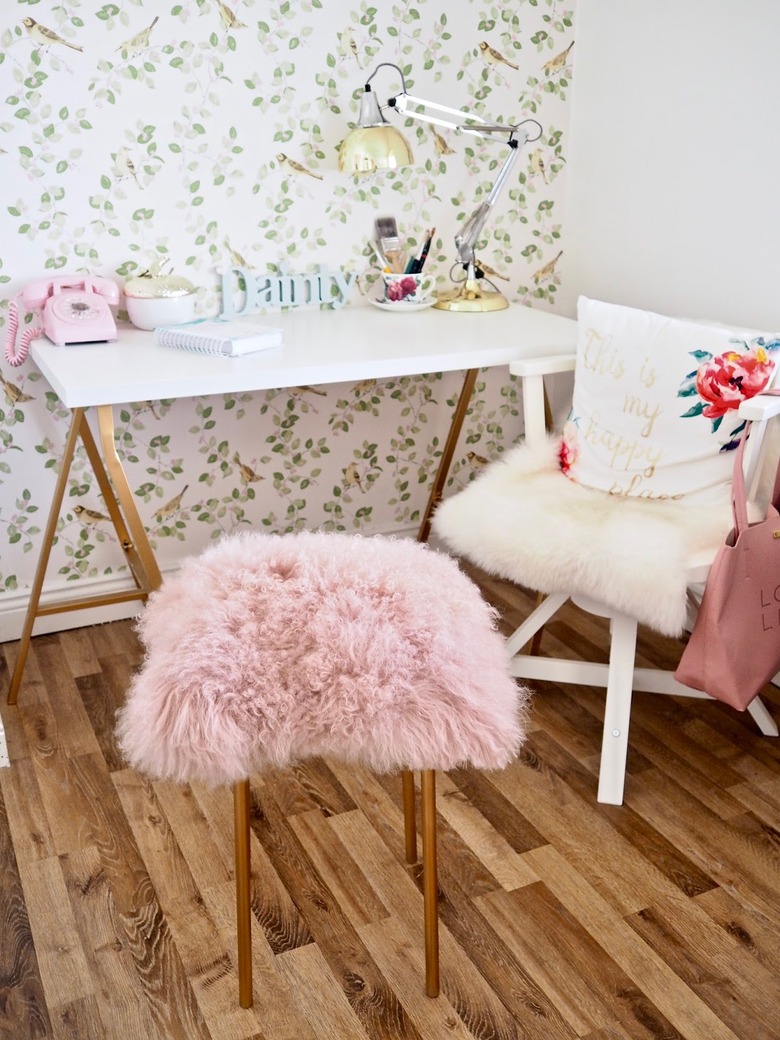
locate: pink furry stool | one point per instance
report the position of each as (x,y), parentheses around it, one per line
(268,649)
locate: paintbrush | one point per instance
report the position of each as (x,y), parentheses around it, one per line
(389,243)
(380,255)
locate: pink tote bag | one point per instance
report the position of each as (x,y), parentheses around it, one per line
(734,649)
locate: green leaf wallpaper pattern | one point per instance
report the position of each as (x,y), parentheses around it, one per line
(207,133)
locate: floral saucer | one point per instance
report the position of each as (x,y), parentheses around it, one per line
(403,306)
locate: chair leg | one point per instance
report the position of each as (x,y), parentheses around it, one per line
(536,642)
(762,718)
(243,898)
(430,882)
(535,621)
(410,820)
(617,711)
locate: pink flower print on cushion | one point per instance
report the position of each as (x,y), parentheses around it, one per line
(720,383)
(568,452)
(731,378)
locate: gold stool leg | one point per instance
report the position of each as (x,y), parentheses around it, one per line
(430,882)
(243,899)
(410,821)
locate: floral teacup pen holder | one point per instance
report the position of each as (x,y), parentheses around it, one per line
(406,288)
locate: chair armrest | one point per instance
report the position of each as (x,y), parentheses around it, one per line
(760,408)
(543,366)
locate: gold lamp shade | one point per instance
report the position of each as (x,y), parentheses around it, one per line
(369,148)
(374,144)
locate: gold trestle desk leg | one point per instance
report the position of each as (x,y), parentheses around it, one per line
(43,560)
(410,813)
(243,892)
(449,450)
(430,881)
(129,529)
(152,579)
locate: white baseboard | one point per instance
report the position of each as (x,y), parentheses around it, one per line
(13,605)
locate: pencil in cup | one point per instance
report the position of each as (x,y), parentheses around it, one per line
(420,263)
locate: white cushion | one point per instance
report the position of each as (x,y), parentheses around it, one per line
(521,520)
(654,405)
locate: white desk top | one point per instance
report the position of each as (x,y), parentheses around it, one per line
(347,345)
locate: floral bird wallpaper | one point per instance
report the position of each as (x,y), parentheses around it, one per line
(205,134)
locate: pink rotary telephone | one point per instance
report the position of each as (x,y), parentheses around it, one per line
(75,310)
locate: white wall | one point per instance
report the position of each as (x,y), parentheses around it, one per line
(674,179)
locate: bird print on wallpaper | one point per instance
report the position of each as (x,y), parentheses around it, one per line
(235,257)
(296,167)
(493,57)
(545,273)
(46,37)
(557,63)
(167,511)
(349,45)
(132,48)
(352,476)
(14,394)
(490,271)
(149,406)
(246,473)
(441,145)
(125,165)
(89,516)
(476,461)
(536,162)
(299,391)
(228,18)
(359,285)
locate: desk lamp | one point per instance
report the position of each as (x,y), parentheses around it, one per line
(376,145)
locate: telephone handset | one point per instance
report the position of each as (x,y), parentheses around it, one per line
(75,310)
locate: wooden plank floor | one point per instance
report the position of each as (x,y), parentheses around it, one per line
(561,918)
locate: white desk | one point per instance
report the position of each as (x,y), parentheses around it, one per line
(342,346)
(346,345)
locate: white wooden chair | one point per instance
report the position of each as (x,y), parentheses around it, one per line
(513,516)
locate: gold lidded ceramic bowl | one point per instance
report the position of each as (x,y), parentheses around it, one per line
(154,298)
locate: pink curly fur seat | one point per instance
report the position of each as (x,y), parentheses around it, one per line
(267,649)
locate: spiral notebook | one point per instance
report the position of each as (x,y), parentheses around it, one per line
(226,338)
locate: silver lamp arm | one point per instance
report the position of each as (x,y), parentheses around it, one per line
(468,123)
(468,236)
(456,119)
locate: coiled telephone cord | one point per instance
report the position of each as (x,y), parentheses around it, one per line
(13,355)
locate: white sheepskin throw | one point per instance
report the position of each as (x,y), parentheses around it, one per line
(522,519)
(267,649)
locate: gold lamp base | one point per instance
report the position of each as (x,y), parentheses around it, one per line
(470,296)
